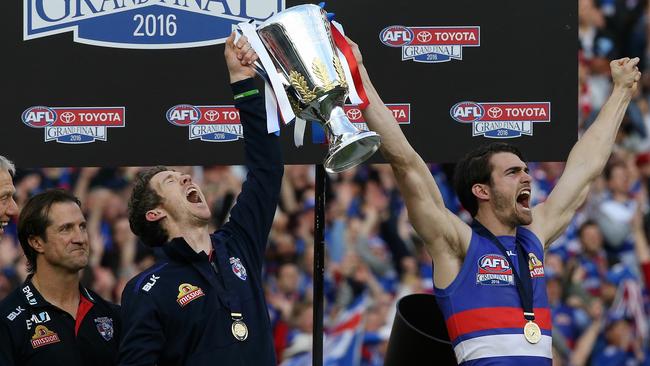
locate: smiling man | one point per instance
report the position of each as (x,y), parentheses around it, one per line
(489,277)
(51,319)
(203,302)
(8,207)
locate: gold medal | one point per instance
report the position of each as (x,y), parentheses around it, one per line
(532,333)
(239,330)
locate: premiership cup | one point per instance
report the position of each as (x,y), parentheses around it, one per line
(299,41)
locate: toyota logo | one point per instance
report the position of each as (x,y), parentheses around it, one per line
(67,117)
(211,115)
(424,36)
(353,114)
(495,112)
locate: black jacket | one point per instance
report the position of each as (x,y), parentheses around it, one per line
(178,312)
(35,332)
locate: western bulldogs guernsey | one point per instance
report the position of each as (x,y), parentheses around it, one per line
(483,310)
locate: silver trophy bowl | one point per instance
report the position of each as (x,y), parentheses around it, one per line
(299,41)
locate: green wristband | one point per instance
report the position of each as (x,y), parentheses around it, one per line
(247,94)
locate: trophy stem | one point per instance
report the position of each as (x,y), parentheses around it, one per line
(348,146)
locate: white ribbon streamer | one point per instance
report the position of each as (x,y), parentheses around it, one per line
(281,98)
(271,106)
(299,131)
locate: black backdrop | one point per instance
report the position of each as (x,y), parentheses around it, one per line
(527,53)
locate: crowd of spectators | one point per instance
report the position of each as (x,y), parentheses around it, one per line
(598,272)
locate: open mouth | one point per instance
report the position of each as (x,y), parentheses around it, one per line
(193,195)
(523,199)
(3,224)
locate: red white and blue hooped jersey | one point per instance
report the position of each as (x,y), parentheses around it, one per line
(483,310)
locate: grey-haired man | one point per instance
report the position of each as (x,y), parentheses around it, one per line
(8,206)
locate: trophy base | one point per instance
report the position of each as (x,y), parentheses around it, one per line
(352,151)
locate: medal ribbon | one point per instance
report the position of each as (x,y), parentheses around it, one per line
(524,283)
(228,297)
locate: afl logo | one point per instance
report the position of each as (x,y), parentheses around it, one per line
(396,36)
(39,117)
(183,115)
(467,112)
(494,263)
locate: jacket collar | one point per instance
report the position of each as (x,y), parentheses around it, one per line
(178,249)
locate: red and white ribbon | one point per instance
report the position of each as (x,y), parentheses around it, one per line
(356,91)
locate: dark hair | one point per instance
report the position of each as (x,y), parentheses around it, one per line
(34,220)
(474,168)
(609,168)
(143,199)
(585,225)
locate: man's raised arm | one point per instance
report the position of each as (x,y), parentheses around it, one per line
(446,235)
(258,200)
(588,157)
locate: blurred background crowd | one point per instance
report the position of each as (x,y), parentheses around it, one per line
(598,272)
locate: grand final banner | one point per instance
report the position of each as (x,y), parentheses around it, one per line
(143,82)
